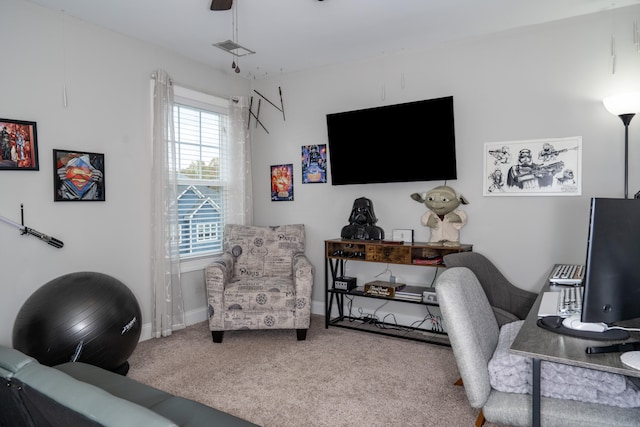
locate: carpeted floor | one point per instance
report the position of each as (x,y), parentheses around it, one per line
(337,377)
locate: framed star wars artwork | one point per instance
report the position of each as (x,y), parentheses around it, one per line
(314,164)
(18,145)
(282,183)
(78,176)
(541,167)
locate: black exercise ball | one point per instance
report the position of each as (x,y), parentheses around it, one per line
(82,317)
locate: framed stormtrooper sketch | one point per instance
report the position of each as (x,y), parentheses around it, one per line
(541,167)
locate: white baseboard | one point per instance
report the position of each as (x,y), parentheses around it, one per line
(317,307)
(200,315)
(191,318)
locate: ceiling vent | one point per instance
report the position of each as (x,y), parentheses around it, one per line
(233,48)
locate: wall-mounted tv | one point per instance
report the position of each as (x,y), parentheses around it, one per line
(413,141)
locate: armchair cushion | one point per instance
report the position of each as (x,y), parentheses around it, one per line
(263,251)
(266,293)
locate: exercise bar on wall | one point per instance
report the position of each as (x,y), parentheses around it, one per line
(26,230)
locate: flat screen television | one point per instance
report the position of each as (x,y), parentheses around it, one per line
(413,141)
(612,278)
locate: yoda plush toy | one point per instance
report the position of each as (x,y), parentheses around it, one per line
(443,217)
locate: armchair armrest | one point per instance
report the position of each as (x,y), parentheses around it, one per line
(303,283)
(217,275)
(303,272)
(219,272)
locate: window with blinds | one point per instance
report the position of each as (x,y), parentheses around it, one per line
(201,132)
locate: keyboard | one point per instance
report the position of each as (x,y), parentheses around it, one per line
(567,274)
(563,303)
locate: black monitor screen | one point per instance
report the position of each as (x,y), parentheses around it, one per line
(612,279)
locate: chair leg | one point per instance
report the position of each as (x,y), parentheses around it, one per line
(302,334)
(459,382)
(217,336)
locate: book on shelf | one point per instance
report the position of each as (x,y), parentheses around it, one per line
(428,261)
(381,288)
(410,293)
(417,298)
(411,290)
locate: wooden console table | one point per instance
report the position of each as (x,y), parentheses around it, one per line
(338,251)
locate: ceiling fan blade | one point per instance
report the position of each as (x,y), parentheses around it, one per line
(221,4)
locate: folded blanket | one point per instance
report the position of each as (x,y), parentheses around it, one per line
(512,373)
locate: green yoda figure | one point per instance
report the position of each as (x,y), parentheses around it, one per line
(443,218)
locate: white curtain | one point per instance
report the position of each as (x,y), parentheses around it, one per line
(167,303)
(240,205)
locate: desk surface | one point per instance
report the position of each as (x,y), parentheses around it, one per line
(534,341)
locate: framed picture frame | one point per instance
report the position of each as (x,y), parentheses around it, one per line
(314,164)
(18,145)
(78,176)
(541,167)
(402,235)
(282,183)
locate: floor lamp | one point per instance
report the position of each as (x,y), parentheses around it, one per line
(624,106)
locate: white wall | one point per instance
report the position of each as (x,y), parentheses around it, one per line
(545,81)
(107,79)
(542,82)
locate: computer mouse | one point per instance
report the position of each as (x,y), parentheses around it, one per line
(552,321)
(573,322)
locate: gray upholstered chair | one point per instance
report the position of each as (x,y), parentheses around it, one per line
(262,280)
(509,302)
(473,333)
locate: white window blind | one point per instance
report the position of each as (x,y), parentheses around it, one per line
(201,132)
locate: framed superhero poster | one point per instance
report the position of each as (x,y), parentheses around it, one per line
(18,145)
(542,167)
(282,183)
(78,176)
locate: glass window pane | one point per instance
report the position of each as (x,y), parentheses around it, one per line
(200,136)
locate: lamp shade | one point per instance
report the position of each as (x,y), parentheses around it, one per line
(626,103)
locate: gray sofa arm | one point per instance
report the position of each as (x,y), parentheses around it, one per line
(183,412)
(79,394)
(37,386)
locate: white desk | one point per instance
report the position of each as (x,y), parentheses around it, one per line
(540,344)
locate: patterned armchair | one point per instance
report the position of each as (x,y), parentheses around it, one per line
(262,280)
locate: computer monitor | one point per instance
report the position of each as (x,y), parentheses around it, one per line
(612,278)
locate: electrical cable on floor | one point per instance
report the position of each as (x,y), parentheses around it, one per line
(379,307)
(350,309)
(373,319)
(389,325)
